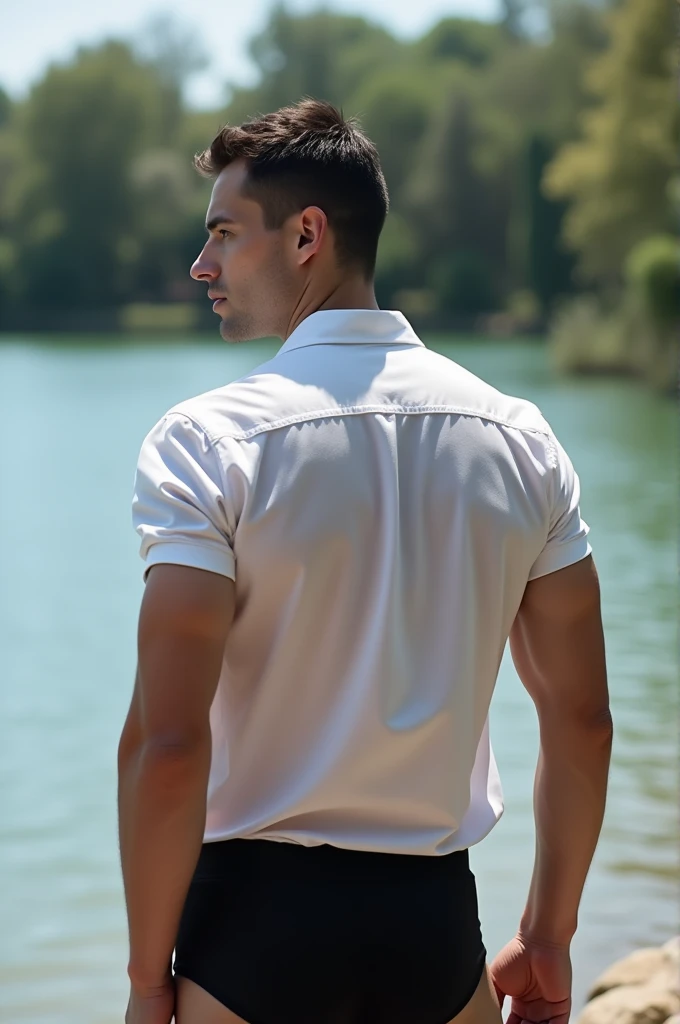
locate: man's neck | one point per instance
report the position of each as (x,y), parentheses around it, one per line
(353,293)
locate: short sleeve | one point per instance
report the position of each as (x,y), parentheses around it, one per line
(179,508)
(567,533)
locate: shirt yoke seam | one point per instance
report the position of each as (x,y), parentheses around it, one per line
(359,410)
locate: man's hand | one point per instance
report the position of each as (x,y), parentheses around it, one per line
(152,1006)
(538,980)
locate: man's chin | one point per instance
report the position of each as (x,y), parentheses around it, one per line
(235,330)
(228,332)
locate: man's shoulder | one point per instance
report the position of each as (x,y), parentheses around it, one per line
(272,395)
(444,383)
(237,408)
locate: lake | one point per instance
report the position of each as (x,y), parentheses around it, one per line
(70,586)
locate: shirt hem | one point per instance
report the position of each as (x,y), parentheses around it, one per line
(566,555)
(194,556)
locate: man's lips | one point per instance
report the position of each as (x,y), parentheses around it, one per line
(216,303)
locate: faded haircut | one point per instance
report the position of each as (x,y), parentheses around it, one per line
(304,155)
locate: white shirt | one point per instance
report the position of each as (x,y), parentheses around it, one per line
(381,510)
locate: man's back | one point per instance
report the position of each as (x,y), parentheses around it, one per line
(338,547)
(381,511)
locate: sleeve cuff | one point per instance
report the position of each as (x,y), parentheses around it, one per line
(552,559)
(196,556)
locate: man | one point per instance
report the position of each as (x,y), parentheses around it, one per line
(337,548)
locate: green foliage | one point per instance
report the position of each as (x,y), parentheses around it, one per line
(583,339)
(616,177)
(458,209)
(653,271)
(445,182)
(175,54)
(96,208)
(323,54)
(512,15)
(463,283)
(618,181)
(174,50)
(588,338)
(394,107)
(80,130)
(541,89)
(395,258)
(472,42)
(549,266)
(146,316)
(524,307)
(498,143)
(5,107)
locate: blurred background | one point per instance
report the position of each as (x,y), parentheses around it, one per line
(530,151)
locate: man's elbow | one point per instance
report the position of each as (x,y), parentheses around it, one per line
(173,764)
(592,722)
(594,735)
(161,749)
(596,731)
(175,747)
(603,724)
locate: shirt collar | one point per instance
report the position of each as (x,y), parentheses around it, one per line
(352,327)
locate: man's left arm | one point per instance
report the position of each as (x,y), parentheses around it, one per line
(164,757)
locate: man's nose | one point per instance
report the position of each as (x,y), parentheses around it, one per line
(204,269)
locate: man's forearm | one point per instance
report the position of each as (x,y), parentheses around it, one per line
(161,813)
(569,803)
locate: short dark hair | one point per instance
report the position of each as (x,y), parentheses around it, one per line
(309,154)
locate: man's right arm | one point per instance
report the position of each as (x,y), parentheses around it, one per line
(557,646)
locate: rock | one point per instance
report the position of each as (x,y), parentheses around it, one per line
(632,1004)
(638,969)
(668,977)
(672,950)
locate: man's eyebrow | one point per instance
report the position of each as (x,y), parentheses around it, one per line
(215,221)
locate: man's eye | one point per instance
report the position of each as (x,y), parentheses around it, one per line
(225,233)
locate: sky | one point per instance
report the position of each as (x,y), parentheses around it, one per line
(38,32)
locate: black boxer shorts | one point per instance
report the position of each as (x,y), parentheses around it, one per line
(282,933)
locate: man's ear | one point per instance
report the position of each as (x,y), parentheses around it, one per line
(312,228)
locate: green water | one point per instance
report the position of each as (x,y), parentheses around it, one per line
(70,585)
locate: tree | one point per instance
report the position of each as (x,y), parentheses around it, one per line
(81,128)
(472,42)
(534,91)
(549,267)
(173,48)
(176,53)
(10,165)
(168,226)
(459,209)
(512,17)
(653,271)
(99,205)
(617,176)
(538,88)
(394,107)
(323,54)
(5,107)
